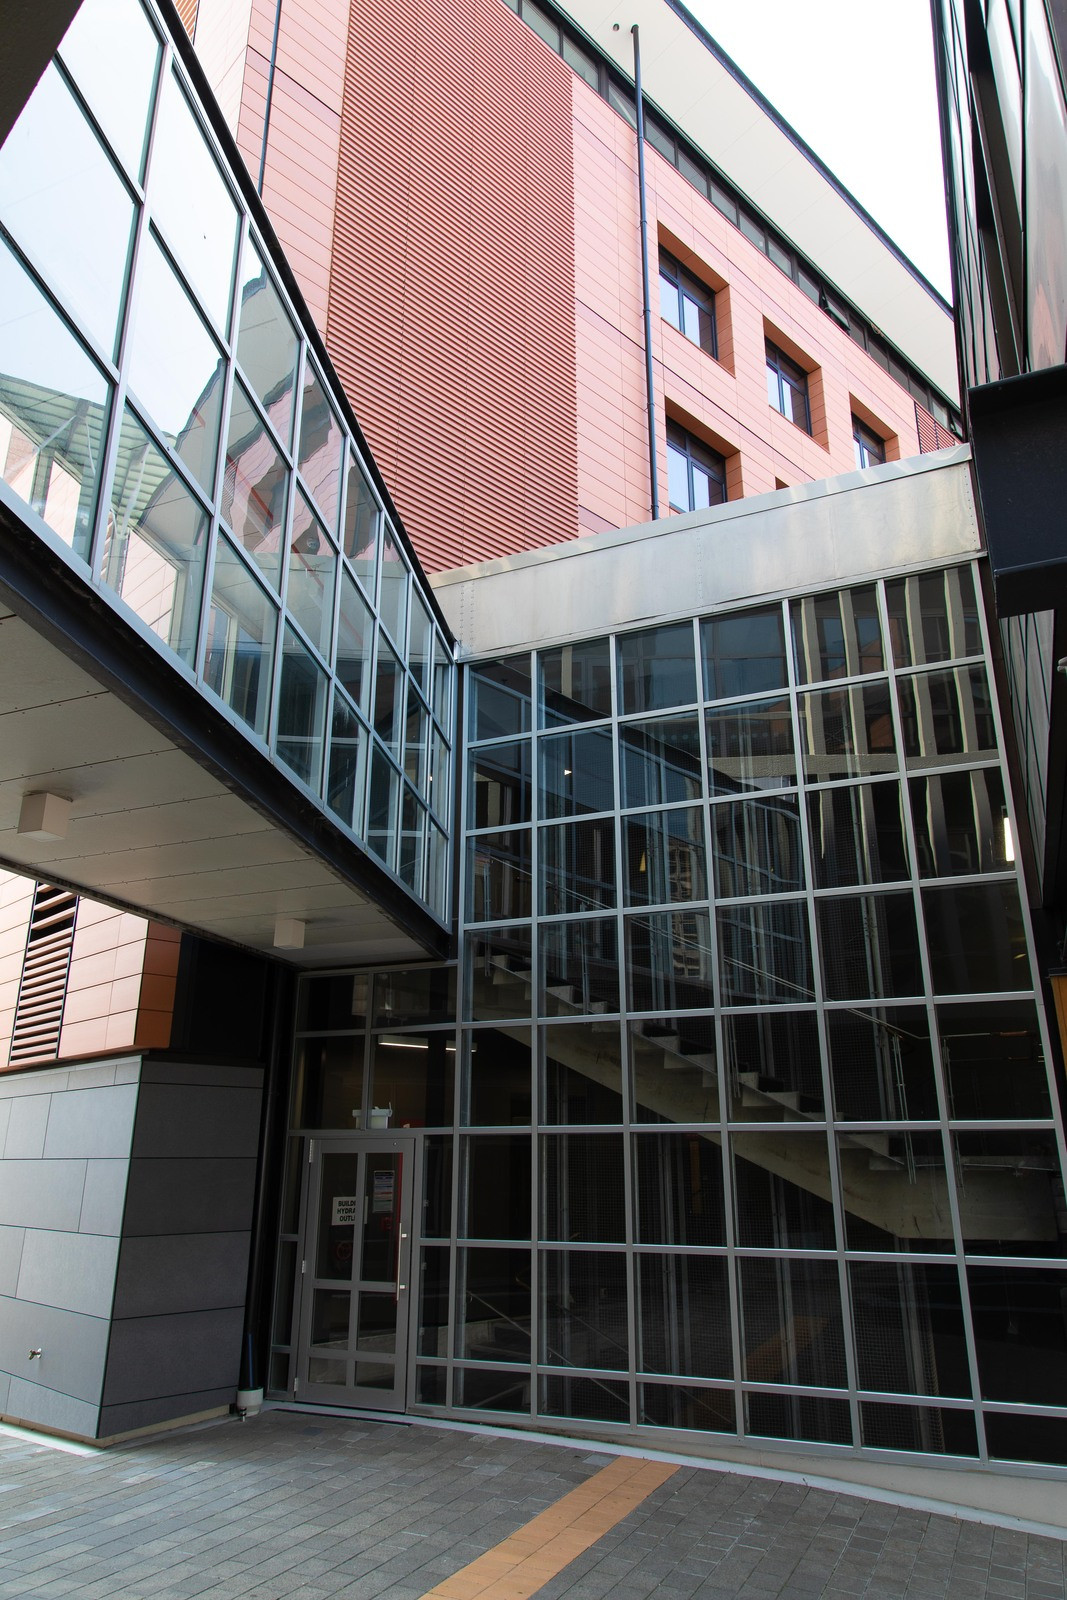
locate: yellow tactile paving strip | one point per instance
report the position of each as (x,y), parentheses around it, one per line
(525,1561)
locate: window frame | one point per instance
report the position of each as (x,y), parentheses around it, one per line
(869,446)
(679,288)
(789,375)
(691,449)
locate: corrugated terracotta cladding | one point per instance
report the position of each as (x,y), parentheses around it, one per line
(451,316)
(187,11)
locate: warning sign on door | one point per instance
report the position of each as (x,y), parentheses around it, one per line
(344,1211)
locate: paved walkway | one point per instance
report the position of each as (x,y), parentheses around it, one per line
(298,1507)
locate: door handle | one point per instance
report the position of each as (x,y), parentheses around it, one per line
(400,1287)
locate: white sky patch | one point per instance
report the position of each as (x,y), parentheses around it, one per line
(856,81)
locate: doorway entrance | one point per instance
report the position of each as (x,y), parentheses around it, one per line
(356,1272)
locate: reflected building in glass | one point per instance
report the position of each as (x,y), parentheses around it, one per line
(592,989)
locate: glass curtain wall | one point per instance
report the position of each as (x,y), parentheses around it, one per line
(166,426)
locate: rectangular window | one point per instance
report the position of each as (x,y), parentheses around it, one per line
(787,387)
(870,450)
(687,304)
(696,475)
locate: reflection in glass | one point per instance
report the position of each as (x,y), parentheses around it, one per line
(680,1405)
(254,486)
(675,1077)
(383,803)
(332,1003)
(52,411)
(442,682)
(773,1066)
(499,698)
(500,785)
(660,761)
(157,531)
(909,1328)
(575,682)
(393,604)
(57,189)
(895,1192)
(416,727)
(320,447)
(361,527)
(678,1179)
(584,1321)
(437,1189)
(420,644)
(329,1082)
(1010,1193)
(757,847)
(175,367)
(500,878)
(791,1328)
(579,967)
(961,823)
(765,953)
(684,1323)
(837,635)
(782,1190)
(582,1189)
(750,746)
(577,866)
(870,946)
(881,1065)
(411,864)
(576,773)
(499,976)
(743,653)
(493,1306)
(411,1080)
(994,1060)
(857,835)
(933,616)
(665,857)
(347,777)
(582,1077)
(301,711)
(336,1254)
(931,1430)
(1020,1335)
(419,994)
(117,82)
(669,961)
(499,1077)
(593,1399)
(192,204)
(312,566)
(946,717)
(388,706)
(495,1197)
(240,645)
(846,733)
(355,643)
(267,346)
(657,668)
(976,937)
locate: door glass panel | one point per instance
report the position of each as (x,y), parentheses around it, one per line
(329,1318)
(381,1217)
(338,1204)
(375,1375)
(376,1323)
(323,1371)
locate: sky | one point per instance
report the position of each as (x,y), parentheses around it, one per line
(856,81)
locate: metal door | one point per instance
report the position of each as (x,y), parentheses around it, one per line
(357,1256)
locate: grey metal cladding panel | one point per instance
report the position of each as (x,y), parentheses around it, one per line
(5,1117)
(73,1271)
(174,1196)
(149,1413)
(153,1357)
(73,1348)
(41,1194)
(194,1120)
(50,1408)
(92,1122)
(104,1196)
(216,1077)
(185,1272)
(26,1128)
(11,1242)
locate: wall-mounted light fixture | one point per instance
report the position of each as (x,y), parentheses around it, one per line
(44,816)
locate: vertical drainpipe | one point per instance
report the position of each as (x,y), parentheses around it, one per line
(653,471)
(270,97)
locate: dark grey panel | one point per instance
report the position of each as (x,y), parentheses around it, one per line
(194,1120)
(153,1357)
(149,1413)
(213,1077)
(158,1275)
(208,1196)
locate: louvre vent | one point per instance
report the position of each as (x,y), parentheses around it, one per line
(45,966)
